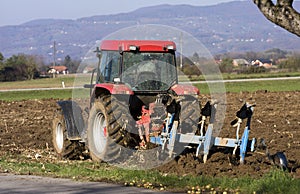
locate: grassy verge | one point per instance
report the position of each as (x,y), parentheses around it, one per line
(39,83)
(228,76)
(274,182)
(260,75)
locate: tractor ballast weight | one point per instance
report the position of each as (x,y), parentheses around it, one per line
(137,101)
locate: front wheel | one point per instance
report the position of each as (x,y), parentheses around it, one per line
(64,147)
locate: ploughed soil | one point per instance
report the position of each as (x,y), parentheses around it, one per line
(25,128)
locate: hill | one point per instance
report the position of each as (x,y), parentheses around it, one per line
(227,27)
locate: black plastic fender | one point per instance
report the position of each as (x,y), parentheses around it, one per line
(73,117)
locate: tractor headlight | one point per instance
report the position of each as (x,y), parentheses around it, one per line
(170,47)
(133,48)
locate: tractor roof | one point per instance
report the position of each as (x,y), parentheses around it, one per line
(141,45)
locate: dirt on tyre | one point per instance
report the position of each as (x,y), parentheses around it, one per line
(64,148)
(107,133)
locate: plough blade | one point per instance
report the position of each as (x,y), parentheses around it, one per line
(208,142)
(244,144)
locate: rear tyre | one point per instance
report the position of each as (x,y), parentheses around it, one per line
(190,115)
(107,133)
(64,147)
(188,121)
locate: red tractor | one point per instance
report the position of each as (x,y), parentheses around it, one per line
(135,103)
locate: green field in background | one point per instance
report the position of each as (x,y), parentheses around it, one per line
(81,79)
(271,86)
(252,86)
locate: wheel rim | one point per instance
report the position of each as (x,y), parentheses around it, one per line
(59,137)
(99,133)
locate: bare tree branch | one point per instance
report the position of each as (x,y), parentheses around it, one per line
(285,2)
(283,14)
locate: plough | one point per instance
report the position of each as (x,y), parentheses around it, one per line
(205,140)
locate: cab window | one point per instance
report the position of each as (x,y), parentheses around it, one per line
(109,66)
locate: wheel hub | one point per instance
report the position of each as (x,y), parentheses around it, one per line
(59,136)
(100,133)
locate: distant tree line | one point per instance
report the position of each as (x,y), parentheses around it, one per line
(26,67)
(292,63)
(71,64)
(18,67)
(281,60)
(274,55)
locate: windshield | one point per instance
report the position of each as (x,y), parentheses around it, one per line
(149,71)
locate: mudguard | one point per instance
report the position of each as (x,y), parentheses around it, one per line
(73,117)
(114,88)
(185,89)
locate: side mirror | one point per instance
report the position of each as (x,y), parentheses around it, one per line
(98,52)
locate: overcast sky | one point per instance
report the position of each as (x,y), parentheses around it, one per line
(14,12)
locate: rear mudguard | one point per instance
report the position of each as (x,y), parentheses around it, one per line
(73,117)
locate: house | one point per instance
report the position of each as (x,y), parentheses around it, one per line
(240,62)
(88,70)
(262,63)
(58,70)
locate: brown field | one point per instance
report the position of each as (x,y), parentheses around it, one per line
(25,127)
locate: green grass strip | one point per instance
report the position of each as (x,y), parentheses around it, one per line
(276,181)
(252,86)
(35,94)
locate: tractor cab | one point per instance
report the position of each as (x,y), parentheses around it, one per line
(143,66)
(142,72)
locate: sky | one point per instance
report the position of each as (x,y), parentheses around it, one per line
(15,12)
